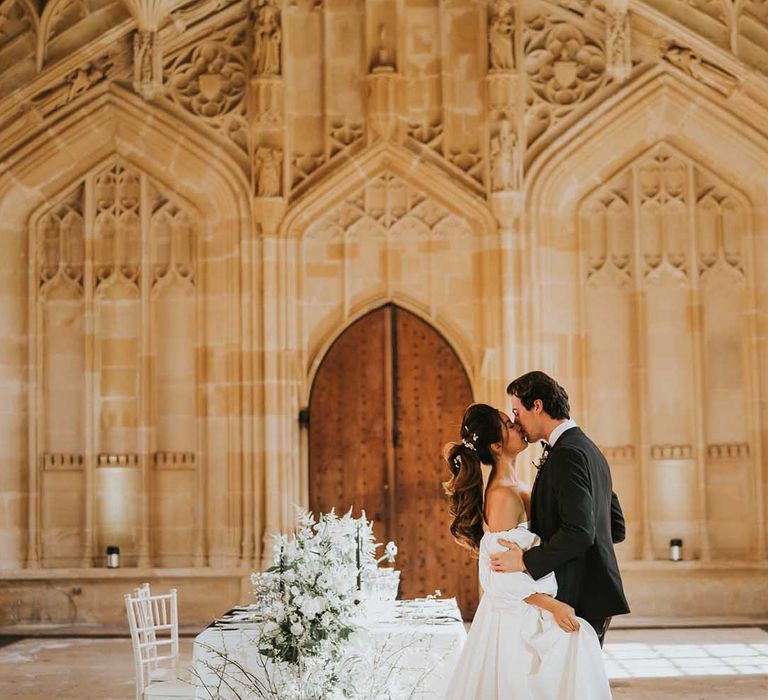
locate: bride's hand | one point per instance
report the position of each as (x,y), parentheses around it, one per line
(565,616)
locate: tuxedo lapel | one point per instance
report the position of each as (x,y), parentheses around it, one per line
(536,492)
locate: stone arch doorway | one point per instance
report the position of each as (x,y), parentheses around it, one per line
(389,393)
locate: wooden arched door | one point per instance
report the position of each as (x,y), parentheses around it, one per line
(388,395)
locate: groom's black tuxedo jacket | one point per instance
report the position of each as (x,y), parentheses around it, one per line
(578,518)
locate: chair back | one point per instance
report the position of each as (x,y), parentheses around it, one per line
(143,592)
(154,624)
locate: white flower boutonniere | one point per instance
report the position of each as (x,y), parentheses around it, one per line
(546,449)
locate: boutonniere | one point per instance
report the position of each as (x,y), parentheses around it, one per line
(544,455)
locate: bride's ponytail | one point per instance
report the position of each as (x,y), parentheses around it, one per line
(480,428)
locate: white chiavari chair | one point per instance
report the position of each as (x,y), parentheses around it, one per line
(154,624)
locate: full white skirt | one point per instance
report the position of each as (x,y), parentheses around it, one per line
(515,651)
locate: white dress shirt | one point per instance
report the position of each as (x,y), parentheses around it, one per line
(559,430)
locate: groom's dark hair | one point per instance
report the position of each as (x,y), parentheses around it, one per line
(537,385)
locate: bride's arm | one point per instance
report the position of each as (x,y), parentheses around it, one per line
(563,614)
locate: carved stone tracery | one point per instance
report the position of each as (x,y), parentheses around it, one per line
(87,310)
(388,206)
(209,81)
(61,242)
(564,68)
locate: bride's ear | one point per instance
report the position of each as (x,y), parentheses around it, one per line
(496,448)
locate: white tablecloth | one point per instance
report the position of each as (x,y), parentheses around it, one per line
(421,653)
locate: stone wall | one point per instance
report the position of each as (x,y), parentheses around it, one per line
(194,203)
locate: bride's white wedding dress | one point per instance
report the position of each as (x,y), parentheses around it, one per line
(516,651)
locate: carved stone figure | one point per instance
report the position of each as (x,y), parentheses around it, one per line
(383,61)
(619,60)
(267,41)
(142,55)
(268,168)
(74,84)
(147,77)
(503,170)
(501,36)
(694,65)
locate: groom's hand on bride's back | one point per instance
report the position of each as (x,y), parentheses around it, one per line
(509,561)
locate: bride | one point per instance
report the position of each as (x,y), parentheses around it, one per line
(523,644)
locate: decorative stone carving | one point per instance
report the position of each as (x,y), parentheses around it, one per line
(173,240)
(505,170)
(694,65)
(663,212)
(117,460)
(267,98)
(143,245)
(117,231)
(428,132)
(502,90)
(730,450)
(617,40)
(608,223)
(268,38)
(383,62)
(381,115)
(66,462)
(268,169)
(564,68)
(468,160)
(65,14)
(71,86)
(388,206)
(61,243)
(343,134)
(65,25)
(671,452)
(501,36)
(303,165)
(14,22)
(209,81)
(624,453)
(174,460)
(720,222)
(147,64)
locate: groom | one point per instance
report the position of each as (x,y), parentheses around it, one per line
(573,508)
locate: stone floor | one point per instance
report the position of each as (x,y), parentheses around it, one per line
(686,664)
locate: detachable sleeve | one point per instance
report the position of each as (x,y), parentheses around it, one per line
(512,588)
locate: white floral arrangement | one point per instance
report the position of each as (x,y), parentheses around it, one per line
(315,574)
(309,610)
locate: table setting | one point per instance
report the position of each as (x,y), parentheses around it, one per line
(326,623)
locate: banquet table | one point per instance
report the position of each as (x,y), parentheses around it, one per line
(418,643)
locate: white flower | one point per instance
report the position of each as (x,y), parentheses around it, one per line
(271,629)
(311,607)
(297,629)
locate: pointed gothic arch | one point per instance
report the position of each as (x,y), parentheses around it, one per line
(662,111)
(116,122)
(386,228)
